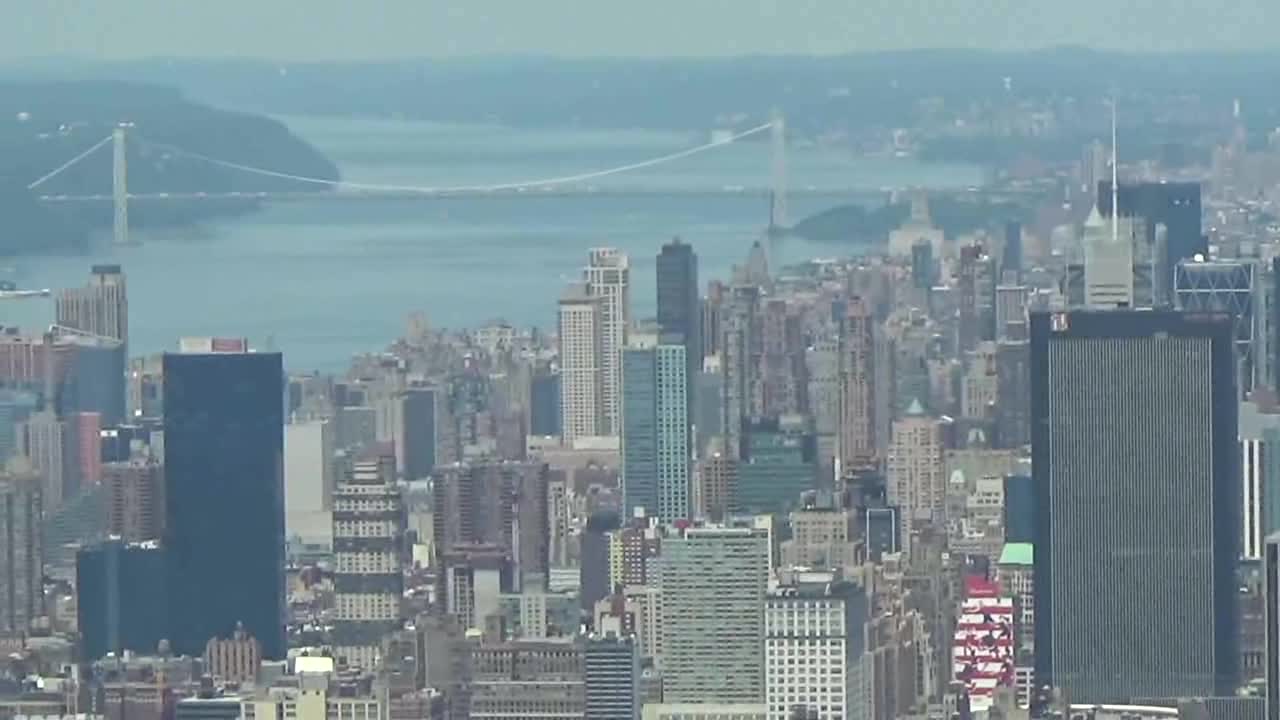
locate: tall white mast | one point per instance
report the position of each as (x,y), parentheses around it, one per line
(1115,178)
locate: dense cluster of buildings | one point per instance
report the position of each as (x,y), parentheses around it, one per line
(996,475)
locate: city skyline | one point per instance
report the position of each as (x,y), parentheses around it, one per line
(950,452)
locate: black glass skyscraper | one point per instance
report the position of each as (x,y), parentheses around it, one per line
(224,499)
(120,598)
(679,305)
(680,309)
(1136,469)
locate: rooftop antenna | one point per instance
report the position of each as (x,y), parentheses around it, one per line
(1115,178)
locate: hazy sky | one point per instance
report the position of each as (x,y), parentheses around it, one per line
(348,29)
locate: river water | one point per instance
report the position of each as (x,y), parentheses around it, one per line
(326,279)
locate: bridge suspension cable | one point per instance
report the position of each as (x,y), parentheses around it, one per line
(66,165)
(376,187)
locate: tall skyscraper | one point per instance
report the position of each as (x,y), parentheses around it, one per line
(655,429)
(101,308)
(1011,256)
(916,481)
(739,351)
(135,499)
(42,440)
(713,591)
(21,569)
(224,494)
(607,276)
(680,306)
(976,297)
(857,391)
(1136,463)
(581,332)
(368,544)
(422,411)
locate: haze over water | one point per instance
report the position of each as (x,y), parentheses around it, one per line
(328,279)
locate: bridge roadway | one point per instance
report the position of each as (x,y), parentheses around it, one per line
(357,195)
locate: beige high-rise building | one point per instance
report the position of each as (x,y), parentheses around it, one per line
(581,329)
(1108,262)
(916,481)
(100,308)
(607,276)
(857,387)
(41,440)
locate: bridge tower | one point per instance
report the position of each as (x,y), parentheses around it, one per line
(119,187)
(778,194)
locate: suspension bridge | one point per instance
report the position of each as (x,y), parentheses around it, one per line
(579,184)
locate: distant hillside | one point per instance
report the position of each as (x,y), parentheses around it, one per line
(855,224)
(42,125)
(819,93)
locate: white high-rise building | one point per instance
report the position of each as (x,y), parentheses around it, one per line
(713,590)
(608,277)
(580,326)
(368,534)
(1259,469)
(309,481)
(1108,261)
(813,646)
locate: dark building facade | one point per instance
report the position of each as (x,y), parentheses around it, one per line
(95,381)
(679,303)
(680,314)
(121,602)
(594,566)
(611,675)
(420,431)
(224,498)
(1011,256)
(1271,596)
(1019,509)
(544,402)
(881,531)
(1136,463)
(1013,409)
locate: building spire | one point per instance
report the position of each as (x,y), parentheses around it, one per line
(1115,177)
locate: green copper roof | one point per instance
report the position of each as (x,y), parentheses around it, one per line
(1017,554)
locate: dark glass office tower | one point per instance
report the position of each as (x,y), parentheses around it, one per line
(120,598)
(680,310)
(679,306)
(1136,467)
(224,498)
